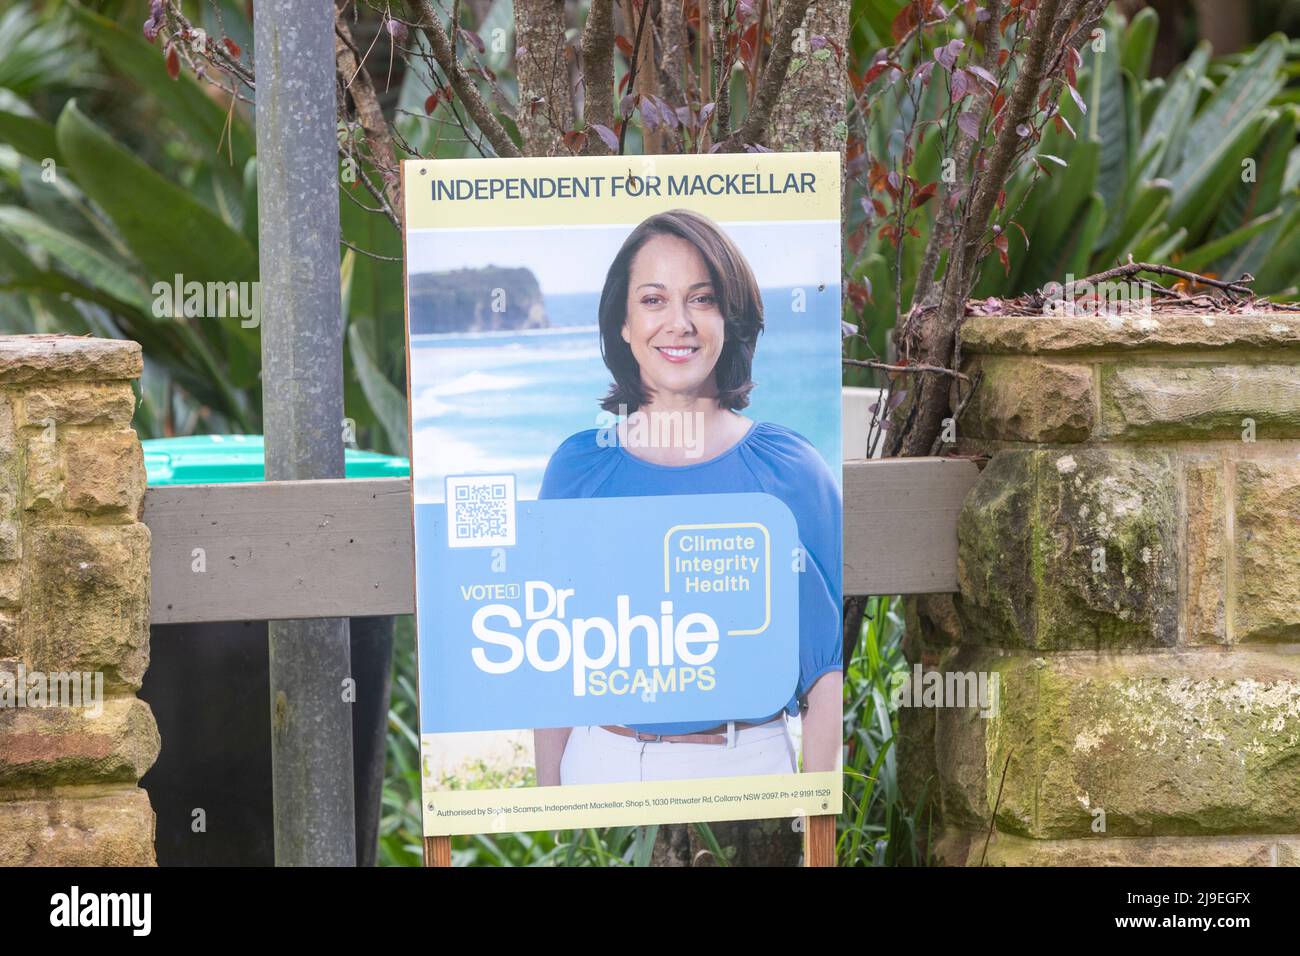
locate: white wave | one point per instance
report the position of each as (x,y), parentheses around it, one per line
(478,381)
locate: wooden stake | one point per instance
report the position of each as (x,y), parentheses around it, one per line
(819,841)
(437,851)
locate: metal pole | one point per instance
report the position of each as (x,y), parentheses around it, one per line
(302,406)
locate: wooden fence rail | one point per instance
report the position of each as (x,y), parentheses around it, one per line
(335,548)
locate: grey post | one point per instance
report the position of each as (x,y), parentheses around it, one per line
(302,388)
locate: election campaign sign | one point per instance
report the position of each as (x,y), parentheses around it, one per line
(625,393)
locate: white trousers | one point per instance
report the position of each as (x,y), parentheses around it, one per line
(594,755)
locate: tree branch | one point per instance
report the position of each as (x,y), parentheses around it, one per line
(370,114)
(718,41)
(426,20)
(636,62)
(545,96)
(754,129)
(598,73)
(912,369)
(1133,268)
(672,34)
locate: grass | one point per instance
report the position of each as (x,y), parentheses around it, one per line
(876,828)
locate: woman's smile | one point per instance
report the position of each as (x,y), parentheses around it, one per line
(678,353)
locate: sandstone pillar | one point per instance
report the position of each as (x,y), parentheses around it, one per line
(1129,565)
(74,606)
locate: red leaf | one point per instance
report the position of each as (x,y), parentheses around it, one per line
(173,62)
(231,47)
(924,194)
(575,140)
(1022,232)
(857,238)
(431,104)
(875,71)
(624,46)
(903,23)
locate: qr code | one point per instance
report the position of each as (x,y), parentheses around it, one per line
(480,511)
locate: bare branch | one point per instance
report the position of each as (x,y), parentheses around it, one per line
(426,20)
(754,129)
(911,369)
(721,69)
(636,62)
(371,116)
(1133,268)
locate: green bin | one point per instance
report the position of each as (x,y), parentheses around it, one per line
(209,688)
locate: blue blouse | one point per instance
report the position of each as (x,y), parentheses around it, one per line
(770,458)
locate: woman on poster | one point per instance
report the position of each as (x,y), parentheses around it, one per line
(680,316)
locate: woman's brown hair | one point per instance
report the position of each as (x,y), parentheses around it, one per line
(734,286)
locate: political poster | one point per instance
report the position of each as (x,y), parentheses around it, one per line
(624,380)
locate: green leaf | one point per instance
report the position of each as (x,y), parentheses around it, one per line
(388,404)
(1199,258)
(1196,204)
(1109,126)
(1248,197)
(1224,118)
(1280,270)
(37,52)
(1151,240)
(183,99)
(1057,232)
(1164,252)
(1139,40)
(98,270)
(25,131)
(169,233)
(1177,107)
(250,201)
(166,229)
(1074,255)
(1147,208)
(1152,92)
(1134,169)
